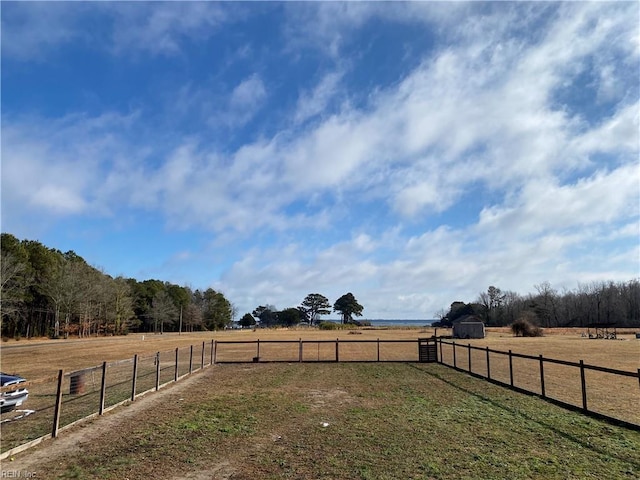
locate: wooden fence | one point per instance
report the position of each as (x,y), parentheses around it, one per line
(345,350)
(606,393)
(57,403)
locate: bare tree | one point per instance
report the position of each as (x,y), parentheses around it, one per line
(544,304)
(120,305)
(162,311)
(14,280)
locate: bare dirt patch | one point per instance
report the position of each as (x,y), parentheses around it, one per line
(222,471)
(327,398)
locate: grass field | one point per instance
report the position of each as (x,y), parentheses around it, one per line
(344,421)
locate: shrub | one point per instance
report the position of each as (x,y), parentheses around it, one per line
(328,326)
(335,326)
(524,327)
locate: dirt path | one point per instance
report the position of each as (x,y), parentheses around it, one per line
(93,430)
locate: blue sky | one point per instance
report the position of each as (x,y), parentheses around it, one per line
(411,153)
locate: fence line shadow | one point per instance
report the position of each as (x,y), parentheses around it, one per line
(514,411)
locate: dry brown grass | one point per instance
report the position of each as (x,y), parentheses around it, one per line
(43,357)
(568,344)
(37,358)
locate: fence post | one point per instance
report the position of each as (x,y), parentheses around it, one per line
(378,349)
(488,367)
(300,351)
(510,368)
(135,377)
(258,352)
(202,358)
(469,353)
(215,350)
(454,355)
(157,371)
(103,388)
(337,342)
(191,360)
(441,358)
(542,377)
(56,411)
(211,361)
(583,381)
(175,368)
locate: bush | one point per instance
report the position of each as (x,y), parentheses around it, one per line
(524,327)
(335,326)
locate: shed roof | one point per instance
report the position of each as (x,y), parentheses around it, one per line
(468,319)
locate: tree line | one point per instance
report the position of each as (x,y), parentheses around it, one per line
(45,292)
(614,304)
(309,311)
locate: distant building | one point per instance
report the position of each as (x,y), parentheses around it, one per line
(468,326)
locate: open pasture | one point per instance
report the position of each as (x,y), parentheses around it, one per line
(43,358)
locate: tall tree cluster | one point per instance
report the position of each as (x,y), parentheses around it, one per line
(309,311)
(593,304)
(46,292)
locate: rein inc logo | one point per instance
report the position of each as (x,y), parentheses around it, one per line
(17,474)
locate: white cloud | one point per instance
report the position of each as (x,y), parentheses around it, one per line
(33,30)
(604,198)
(414,198)
(322,24)
(246,99)
(161,29)
(219,107)
(55,166)
(248,93)
(326,26)
(315,102)
(330,153)
(618,133)
(58,199)
(29,34)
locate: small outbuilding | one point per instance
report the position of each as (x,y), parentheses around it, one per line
(468,326)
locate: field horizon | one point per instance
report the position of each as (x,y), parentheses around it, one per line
(32,358)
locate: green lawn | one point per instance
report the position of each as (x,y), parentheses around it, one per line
(353,421)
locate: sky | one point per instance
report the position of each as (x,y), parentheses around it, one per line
(413,154)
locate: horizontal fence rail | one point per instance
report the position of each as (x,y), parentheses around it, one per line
(338,350)
(58,402)
(600,391)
